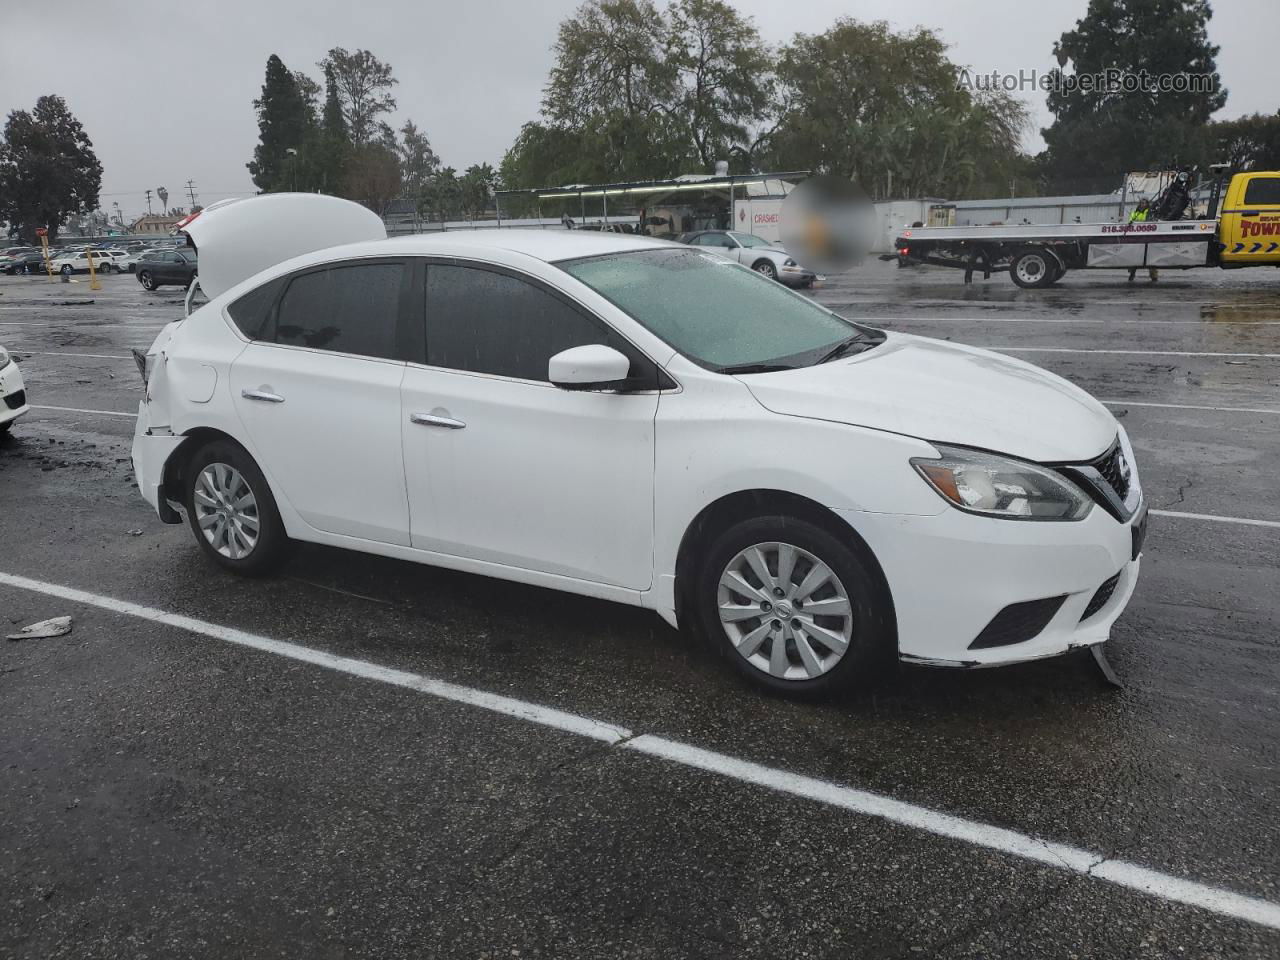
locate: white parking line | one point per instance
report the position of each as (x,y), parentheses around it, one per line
(1074,859)
(105,413)
(1244,521)
(1140,353)
(67,353)
(1186,406)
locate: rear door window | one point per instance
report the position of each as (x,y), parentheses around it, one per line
(1263,191)
(349,308)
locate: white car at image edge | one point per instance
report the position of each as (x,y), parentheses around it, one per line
(13,392)
(638,421)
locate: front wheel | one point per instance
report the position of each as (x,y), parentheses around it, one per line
(148,280)
(66,270)
(766,268)
(794,608)
(1033,268)
(231,510)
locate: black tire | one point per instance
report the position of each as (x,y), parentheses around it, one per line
(5,428)
(873,643)
(272,546)
(766,268)
(66,270)
(1033,267)
(147,280)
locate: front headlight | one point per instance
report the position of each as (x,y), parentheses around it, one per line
(995,486)
(5,359)
(790,263)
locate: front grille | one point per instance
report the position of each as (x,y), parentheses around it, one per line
(1100,598)
(14,400)
(1017,622)
(1113,469)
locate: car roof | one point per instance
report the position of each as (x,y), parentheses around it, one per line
(547,245)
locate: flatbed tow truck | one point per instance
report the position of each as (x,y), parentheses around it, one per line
(1245,232)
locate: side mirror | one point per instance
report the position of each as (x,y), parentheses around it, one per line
(590,367)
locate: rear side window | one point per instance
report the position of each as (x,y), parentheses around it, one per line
(1264,191)
(347,309)
(488,322)
(252,312)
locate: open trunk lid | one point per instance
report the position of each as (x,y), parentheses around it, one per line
(236,239)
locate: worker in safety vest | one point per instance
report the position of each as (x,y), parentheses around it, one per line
(1140,214)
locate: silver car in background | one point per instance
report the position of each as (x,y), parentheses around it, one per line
(751,251)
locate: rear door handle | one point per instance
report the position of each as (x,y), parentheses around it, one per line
(262,395)
(432,420)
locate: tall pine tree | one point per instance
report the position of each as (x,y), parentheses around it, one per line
(1103,133)
(284,124)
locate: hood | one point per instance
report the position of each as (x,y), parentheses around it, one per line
(947,393)
(236,239)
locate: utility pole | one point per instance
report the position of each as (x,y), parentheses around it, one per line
(191,192)
(148,203)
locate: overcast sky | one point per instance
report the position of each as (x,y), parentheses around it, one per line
(165,89)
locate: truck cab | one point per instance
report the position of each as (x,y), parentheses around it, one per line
(1249,222)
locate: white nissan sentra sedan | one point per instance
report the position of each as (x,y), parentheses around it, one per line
(638,421)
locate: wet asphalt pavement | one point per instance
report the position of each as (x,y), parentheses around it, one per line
(164,794)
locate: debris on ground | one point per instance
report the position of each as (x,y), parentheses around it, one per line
(53,627)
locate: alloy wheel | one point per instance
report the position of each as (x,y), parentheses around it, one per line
(226,511)
(785,611)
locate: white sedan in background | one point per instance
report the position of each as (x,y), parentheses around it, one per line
(13,392)
(639,421)
(754,252)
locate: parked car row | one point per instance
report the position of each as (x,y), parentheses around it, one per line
(162,266)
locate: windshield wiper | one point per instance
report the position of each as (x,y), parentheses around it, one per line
(756,368)
(842,348)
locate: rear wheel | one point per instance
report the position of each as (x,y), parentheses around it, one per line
(231,510)
(794,608)
(1033,267)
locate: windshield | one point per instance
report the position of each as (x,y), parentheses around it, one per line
(717,313)
(749,240)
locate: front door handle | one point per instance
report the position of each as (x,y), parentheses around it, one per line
(433,420)
(262,395)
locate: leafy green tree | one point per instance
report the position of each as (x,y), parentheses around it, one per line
(284,124)
(372,176)
(363,83)
(637,93)
(441,199)
(1105,132)
(613,88)
(477,185)
(48,170)
(1248,143)
(418,162)
(885,109)
(725,77)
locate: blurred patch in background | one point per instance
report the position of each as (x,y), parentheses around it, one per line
(828,224)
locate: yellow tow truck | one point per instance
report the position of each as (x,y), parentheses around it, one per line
(1241,228)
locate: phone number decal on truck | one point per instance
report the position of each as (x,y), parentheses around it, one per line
(1128,227)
